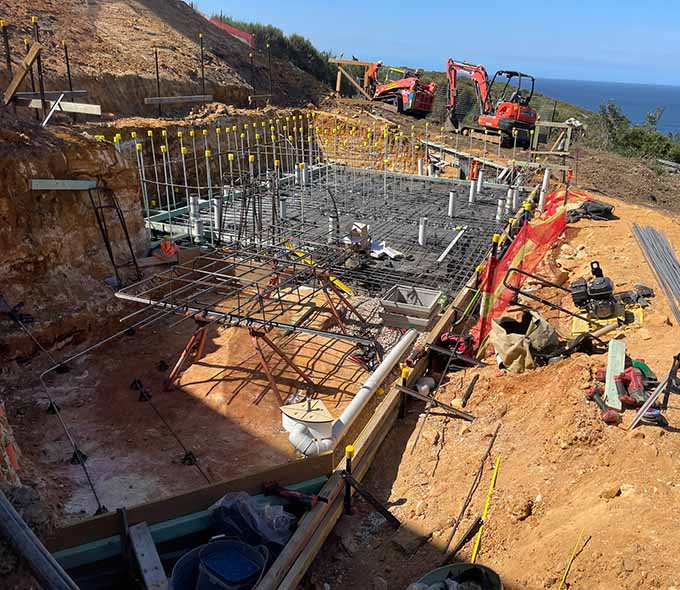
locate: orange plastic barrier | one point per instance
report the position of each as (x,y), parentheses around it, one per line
(526,252)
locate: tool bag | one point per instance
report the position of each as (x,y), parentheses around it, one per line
(517,344)
(592,209)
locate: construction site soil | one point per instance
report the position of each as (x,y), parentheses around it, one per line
(633,180)
(562,468)
(111,51)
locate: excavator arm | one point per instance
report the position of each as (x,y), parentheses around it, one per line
(480,79)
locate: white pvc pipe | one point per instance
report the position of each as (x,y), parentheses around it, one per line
(514,199)
(480,180)
(284,207)
(508,201)
(309,446)
(500,209)
(332,226)
(217,215)
(430,170)
(544,190)
(422,238)
(420,167)
(452,204)
(471,198)
(195,218)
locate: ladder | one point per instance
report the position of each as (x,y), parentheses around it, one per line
(104,199)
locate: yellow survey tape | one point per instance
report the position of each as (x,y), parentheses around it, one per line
(307,260)
(571,560)
(478,540)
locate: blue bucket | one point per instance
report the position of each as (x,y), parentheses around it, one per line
(231,565)
(185,572)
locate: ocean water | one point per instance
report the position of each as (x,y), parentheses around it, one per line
(634,99)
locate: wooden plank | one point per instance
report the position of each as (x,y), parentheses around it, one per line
(314,527)
(553,124)
(51,94)
(165,531)
(616,361)
(338,82)
(386,107)
(57,184)
(67,107)
(354,83)
(22,72)
(489,137)
(107,525)
(320,534)
(145,551)
(178,99)
(350,62)
(147,261)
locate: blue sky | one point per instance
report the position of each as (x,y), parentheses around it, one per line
(606,40)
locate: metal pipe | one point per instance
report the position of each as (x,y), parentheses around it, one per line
(43,566)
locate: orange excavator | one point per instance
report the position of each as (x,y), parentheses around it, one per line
(506,111)
(396,89)
(401,88)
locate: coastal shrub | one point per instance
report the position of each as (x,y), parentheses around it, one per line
(294,48)
(611,130)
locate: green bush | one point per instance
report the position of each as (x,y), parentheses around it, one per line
(610,129)
(295,48)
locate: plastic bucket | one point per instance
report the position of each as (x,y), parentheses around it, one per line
(492,580)
(185,572)
(231,565)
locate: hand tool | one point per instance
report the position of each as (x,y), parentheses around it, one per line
(608,415)
(272,488)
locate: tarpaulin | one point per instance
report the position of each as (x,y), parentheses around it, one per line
(526,252)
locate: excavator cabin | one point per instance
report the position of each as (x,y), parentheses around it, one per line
(504,102)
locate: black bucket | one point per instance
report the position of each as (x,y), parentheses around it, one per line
(185,573)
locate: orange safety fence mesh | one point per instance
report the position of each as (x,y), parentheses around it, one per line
(526,252)
(244,36)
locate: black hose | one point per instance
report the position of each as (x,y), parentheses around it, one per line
(49,574)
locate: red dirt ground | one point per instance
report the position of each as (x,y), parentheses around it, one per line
(133,457)
(562,469)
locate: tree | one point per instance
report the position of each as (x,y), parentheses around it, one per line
(652,118)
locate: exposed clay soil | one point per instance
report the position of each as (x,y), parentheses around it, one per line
(562,469)
(111,50)
(222,408)
(630,179)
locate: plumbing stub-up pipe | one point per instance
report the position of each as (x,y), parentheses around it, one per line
(473,186)
(452,204)
(301,438)
(544,190)
(500,209)
(195,218)
(422,236)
